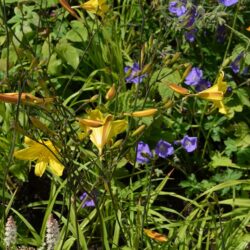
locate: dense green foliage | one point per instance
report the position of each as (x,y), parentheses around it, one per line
(107,94)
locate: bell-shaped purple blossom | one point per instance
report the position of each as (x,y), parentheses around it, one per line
(135,74)
(164,149)
(221,33)
(235,65)
(228,3)
(143,153)
(88,202)
(189,143)
(202,85)
(177,7)
(194,76)
(190,35)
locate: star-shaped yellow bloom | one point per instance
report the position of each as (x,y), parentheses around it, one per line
(44,152)
(102,128)
(216,93)
(98,7)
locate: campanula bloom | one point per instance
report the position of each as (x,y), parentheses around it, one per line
(135,74)
(87,202)
(194,76)
(177,7)
(189,143)
(228,2)
(235,65)
(202,85)
(190,35)
(164,149)
(45,153)
(143,153)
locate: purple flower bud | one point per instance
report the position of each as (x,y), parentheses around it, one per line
(235,65)
(134,76)
(194,76)
(228,2)
(221,33)
(164,149)
(189,143)
(190,35)
(143,153)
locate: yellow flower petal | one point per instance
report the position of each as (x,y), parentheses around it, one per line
(29,154)
(40,168)
(56,167)
(212,96)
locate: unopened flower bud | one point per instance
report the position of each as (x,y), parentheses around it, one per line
(111,93)
(143,113)
(178,89)
(186,72)
(138,130)
(93,98)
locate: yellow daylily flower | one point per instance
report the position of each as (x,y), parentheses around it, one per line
(98,7)
(44,152)
(102,135)
(216,93)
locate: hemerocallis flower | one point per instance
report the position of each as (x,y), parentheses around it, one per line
(101,135)
(98,7)
(216,93)
(44,152)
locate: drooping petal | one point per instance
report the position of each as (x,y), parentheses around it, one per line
(40,167)
(56,167)
(117,127)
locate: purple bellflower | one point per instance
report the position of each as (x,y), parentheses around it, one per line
(177,7)
(164,149)
(143,153)
(235,65)
(134,76)
(228,3)
(194,76)
(202,85)
(221,33)
(190,35)
(88,202)
(189,143)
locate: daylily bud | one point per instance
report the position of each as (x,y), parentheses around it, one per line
(167,104)
(143,113)
(147,68)
(117,143)
(93,98)
(175,57)
(186,72)
(90,123)
(178,89)
(142,54)
(138,130)
(111,93)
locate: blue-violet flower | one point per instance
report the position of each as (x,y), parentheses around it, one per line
(235,65)
(189,143)
(202,85)
(228,2)
(134,76)
(88,202)
(177,7)
(143,153)
(194,76)
(164,149)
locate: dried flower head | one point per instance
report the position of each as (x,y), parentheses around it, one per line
(10,232)
(52,233)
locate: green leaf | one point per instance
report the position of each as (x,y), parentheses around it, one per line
(68,53)
(243,96)
(222,161)
(55,65)
(78,33)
